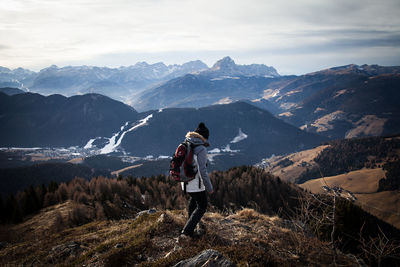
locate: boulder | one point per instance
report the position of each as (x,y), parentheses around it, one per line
(67,250)
(209,258)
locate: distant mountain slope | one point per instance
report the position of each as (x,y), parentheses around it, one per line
(335,158)
(13,180)
(347,101)
(341,102)
(240,133)
(200,91)
(226,67)
(11,91)
(223,83)
(366,169)
(30,120)
(119,83)
(17,78)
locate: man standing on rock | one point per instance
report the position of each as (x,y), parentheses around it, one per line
(197,187)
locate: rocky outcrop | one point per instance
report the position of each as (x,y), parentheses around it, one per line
(68,250)
(208,258)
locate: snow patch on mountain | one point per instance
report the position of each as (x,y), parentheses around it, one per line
(215,151)
(223,101)
(114,143)
(270,93)
(227,149)
(240,137)
(224,78)
(89,144)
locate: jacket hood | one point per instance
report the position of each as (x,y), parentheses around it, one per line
(196,139)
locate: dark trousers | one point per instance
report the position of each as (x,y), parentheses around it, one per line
(197,208)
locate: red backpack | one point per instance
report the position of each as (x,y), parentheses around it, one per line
(182,166)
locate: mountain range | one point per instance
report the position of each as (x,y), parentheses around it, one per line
(240,132)
(121,83)
(341,102)
(254,116)
(31,120)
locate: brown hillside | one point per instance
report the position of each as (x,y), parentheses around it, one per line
(361,181)
(245,238)
(384,205)
(290,167)
(364,184)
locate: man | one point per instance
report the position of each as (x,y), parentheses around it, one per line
(197,187)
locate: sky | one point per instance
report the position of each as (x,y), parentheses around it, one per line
(294,36)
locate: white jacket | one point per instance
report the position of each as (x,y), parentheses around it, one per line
(200,158)
(193,185)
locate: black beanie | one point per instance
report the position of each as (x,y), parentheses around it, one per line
(202,130)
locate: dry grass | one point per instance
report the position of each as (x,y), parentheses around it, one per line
(364,184)
(384,205)
(369,125)
(301,161)
(324,123)
(246,238)
(116,173)
(362,181)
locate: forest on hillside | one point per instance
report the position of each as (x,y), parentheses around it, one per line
(116,198)
(392,180)
(19,178)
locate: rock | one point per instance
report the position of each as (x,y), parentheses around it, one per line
(200,229)
(226,220)
(70,249)
(209,258)
(3,245)
(150,211)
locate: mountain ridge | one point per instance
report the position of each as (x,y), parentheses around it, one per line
(34,120)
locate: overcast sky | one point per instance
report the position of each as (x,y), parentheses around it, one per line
(295,37)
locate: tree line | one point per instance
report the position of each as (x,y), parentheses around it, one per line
(116,198)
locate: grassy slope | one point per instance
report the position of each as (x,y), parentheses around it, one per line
(364,184)
(301,161)
(246,238)
(362,181)
(384,205)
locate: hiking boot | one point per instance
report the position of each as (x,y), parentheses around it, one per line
(183,238)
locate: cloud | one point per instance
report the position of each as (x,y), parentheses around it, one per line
(44,32)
